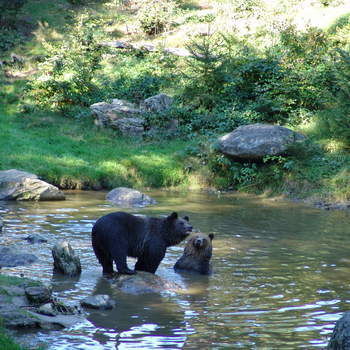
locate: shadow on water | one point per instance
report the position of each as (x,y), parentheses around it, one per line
(279,282)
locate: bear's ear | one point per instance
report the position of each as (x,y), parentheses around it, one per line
(186,218)
(211,236)
(172,216)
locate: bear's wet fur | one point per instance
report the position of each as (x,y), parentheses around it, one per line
(118,235)
(197,254)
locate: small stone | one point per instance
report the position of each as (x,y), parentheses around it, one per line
(47,309)
(98,301)
(38,295)
(35,239)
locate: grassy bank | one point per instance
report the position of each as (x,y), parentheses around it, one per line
(253,62)
(74,154)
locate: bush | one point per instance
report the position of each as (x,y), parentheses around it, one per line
(154,16)
(335,118)
(66,77)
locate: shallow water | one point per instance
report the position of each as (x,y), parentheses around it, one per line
(281,274)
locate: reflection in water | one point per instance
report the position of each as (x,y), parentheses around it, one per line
(279,282)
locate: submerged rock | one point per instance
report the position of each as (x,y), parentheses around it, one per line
(258,140)
(144,283)
(23,186)
(11,258)
(35,239)
(340,338)
(65,260)
(128,197)
(98,301)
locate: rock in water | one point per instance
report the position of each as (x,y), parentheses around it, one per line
(35,239)
(98,301)
(38,295)
(128,197)
(340,339)
(11,258)
(21,186)
(144,283)
(65,260)
(255,141)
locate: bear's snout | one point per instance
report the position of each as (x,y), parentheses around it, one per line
(198,242)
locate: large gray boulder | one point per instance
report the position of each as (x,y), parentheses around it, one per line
(157,103)
(128,197)
(256,141)
(129,118)
(129,126)
(107,113)
(340,338)
(11,258)
(20,185)
(65,260)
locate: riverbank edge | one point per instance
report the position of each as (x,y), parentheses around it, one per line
(7,340)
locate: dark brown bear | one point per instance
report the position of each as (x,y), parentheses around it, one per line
(118,235)
(197,254)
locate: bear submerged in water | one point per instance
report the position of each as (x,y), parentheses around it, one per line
(197,254)
(118,235)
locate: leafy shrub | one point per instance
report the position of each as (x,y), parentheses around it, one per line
(154,15)
(66,77)
(335,118)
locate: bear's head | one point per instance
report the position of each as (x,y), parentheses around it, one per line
(177,229)
(200,245)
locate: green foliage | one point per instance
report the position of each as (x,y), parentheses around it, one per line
(335,119)
(9,11)
(66,77)
(154,16)
(208,18)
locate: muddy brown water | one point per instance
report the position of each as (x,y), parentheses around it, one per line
(281,275)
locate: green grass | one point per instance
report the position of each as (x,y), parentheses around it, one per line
(6,343)
(75,154)
(72,153)
(17,281)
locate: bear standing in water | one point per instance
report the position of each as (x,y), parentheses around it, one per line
(118,235)
(197,254)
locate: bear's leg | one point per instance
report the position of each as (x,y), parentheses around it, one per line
(148,263)
(119,257)
(104,259)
